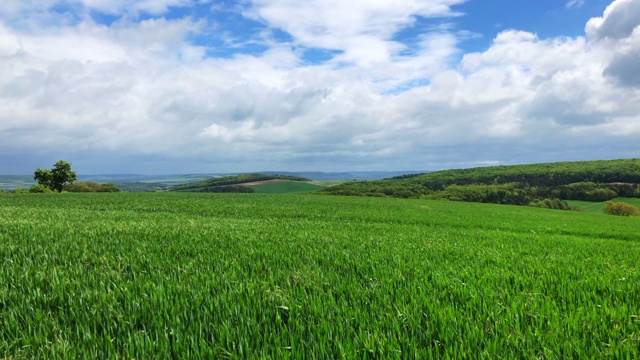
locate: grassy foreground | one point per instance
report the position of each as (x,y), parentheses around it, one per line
(160,275)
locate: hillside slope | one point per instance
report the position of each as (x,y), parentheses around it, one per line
(231,183)
(517,184)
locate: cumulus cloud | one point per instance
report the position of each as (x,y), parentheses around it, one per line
(145,90)
(625,69)
(361,30)
(618,21)
(619,31)
(9,43)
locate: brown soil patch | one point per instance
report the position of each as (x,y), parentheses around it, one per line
(264,182)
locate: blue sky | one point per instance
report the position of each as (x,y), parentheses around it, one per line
(544,17)
(168,86)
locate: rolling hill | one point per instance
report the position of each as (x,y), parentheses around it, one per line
(248,183)
(531,184)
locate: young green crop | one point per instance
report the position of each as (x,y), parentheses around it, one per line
(158,275)
(287,187)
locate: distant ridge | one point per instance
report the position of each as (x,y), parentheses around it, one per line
(234,183)
(312,175)
(139,182)
(354,175)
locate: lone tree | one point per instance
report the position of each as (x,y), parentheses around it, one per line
(56,178)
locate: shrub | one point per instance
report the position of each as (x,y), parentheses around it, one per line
(79,187)
(39,188)
(620,209)
(551,204)
(91,186)
(108,187)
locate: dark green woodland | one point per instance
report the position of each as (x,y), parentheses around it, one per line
(543,185)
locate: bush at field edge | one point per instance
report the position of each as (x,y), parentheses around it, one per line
(620,209)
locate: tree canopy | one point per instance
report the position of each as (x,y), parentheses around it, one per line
(57,178)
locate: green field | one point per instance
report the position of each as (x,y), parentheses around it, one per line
(598,206)
(213,276)
(287,187)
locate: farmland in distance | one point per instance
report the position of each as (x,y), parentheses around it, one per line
(199,275)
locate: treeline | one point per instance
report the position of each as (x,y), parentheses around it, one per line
(91,186)
(544,185)
(212,185)
(547,174)
(85,186)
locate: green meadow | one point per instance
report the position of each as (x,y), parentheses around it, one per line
(215,276)
(598,206)
(287,187)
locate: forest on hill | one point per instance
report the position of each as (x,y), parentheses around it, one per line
(231,184)
(543,185)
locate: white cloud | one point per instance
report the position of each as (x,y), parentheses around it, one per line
(9,43)
(572,4)
(155,7)
(362,30)
(618,21)
(115,7)
(143,89)
(625,68)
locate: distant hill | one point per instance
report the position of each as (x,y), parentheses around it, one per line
(139,183)
(135,182)
(354,175)
(8,182)
(233,183)
(527,184)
